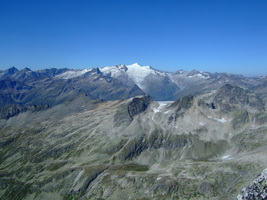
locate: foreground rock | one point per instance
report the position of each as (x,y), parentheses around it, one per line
(257,190)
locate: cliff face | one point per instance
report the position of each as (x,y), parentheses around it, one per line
(138,105)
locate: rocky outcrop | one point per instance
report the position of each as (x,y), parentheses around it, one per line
(12,110)
(138,105)
(181,106)
(231,98)
(125,114)
(257,190)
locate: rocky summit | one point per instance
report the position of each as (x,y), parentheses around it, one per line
(131,132)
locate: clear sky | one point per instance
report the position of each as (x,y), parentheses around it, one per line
(208,35)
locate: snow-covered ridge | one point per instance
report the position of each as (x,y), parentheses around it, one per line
(135,72)
(72,73)
(200,75)
(114,71)
(138,73)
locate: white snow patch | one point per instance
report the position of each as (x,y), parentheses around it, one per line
(202,124)
(114,71)
(222,120)
(135,72)
(204,76)
(138,73)
(226,157)
(164,103)
(161,105)
(72,73)
(156,110)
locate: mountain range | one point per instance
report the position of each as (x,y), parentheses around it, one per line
(46,88)
(131,132)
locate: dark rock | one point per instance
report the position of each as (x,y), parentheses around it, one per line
(126,113)
(138,105)
(257,190)
(8,111)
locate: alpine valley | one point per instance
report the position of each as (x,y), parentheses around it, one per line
(132,132)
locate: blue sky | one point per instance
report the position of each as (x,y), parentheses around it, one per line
(208,35)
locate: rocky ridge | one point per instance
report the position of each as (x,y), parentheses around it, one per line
(135,148)
(92,134)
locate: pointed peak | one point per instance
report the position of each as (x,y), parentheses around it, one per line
(12,70)
(27,69)
(97,70)
(137,65)
(134,65)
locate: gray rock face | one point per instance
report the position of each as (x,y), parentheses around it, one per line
(231,98)
(129,149)
(126,113)
(257,190)
(138,105)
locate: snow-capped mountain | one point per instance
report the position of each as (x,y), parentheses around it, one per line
(154,82)
(135,72)
(72,74)
(160,85)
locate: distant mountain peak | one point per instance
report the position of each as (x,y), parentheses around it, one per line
(12,70)
(26,69)
(137,65)
(73,73)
